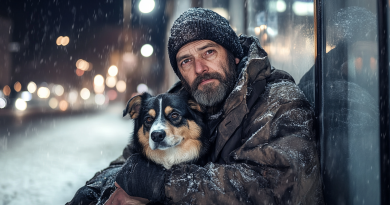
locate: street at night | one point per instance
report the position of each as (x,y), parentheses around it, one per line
(268,102)
(46,159)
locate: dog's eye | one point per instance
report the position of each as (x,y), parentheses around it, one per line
(174,115)
(149,120)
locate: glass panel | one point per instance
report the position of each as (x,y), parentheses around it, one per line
(285,30)
(350,103)
(232,10)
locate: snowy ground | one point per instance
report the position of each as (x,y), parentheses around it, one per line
(48,161)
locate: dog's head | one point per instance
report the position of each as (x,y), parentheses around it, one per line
(167,126)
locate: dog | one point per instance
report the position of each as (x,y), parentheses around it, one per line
(169,128)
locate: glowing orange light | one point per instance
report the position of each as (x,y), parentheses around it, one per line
(17,87)
(59,40)
(358,64)
(257,30)
(7,90)
(265,36)
(79,72)
(83,65)
(63,105)
(373,64)
(65,41)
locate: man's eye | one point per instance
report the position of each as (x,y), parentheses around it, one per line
(185,61)
(209,52)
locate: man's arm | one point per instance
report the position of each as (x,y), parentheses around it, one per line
(278,163)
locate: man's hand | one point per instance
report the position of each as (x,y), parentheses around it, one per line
(142,178)
(119,197)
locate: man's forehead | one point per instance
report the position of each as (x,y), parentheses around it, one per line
(193,46)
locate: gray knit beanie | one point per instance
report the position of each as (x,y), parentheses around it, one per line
(201,24)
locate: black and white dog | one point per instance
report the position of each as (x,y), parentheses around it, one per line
(168,128)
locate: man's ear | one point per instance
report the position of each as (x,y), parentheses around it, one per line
(195,106)
(133,107)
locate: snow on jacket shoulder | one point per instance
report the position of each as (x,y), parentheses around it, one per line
(265,150)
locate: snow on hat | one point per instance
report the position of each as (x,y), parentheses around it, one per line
(201,24)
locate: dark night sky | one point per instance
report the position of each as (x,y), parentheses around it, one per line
(36,26)
(94,28)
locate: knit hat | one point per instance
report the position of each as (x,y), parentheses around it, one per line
(201,24)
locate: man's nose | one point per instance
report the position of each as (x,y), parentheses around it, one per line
(200,66)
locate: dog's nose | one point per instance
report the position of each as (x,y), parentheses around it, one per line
(158,135)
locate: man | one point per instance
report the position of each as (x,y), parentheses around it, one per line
(261,126)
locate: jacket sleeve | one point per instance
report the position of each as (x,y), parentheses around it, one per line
(277,164)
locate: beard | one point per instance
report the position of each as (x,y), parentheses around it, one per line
(211,94)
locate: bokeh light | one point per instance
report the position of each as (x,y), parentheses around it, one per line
(63,105)
(17,86)
(98,80)
(112,94)
(110,81)
(141,88)
(257,30)
(280,6)
(113,70)
(100,99)
(83,65)
(62,40)
(43,92)
(26,96)
(84,93)
(98,89)
(79,72)
(20,104)
(7,90)
(72,96)
(65,41)
(53,103)
(121,86)
(146,6)
(59,90)
(59,40)
(31,87)
(146,50)
(3,103)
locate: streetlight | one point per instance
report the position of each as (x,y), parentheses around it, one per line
(146,6)
(113,70)
(146,50)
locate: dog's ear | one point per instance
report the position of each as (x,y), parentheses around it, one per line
(133,107)
(195,106)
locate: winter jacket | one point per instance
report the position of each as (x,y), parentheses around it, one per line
(265,150)
(265,145)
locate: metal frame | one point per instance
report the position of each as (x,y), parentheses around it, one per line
(383,63)
(319,52)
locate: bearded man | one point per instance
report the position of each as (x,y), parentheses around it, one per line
(261,128)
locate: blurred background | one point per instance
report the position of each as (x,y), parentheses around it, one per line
(67,68)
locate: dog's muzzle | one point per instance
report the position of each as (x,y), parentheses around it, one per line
(158,135)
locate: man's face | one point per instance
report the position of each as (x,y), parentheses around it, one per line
(208,71)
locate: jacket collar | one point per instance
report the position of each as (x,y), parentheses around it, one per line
(256,68)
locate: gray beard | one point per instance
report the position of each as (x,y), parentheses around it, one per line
(210,95)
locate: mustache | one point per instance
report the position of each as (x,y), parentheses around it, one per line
(205,77)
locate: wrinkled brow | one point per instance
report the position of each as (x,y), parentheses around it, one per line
(208,45)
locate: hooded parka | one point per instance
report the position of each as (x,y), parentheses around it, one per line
(265,148)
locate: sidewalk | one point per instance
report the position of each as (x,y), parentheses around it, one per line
(50,159)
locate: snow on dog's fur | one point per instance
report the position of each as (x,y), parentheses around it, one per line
(168,128)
